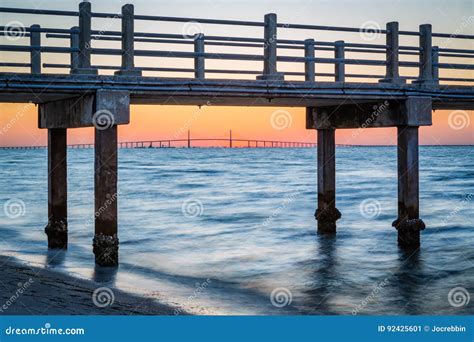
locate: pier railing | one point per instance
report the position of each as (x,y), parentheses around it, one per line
(433,63)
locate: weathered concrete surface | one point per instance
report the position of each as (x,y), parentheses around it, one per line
(326,213)
(392,55)
(69,113)
(57,188)
(158,90)
(408,222)
(105,184)
(270,50)
(128,50)
(83,111)
(415,111)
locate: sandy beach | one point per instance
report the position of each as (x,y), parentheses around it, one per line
(27,290)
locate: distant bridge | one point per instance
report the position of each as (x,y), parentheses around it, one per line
(189,143)
(79,96)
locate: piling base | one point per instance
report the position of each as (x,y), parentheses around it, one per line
(106,249)
(327,220)
(409,232)
(57,234)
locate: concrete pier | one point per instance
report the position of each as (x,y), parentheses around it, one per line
(106,241)
(408,223)
(84,98)
(57,188)
(327,213)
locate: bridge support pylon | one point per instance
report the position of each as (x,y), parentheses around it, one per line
(56,230)
(327,214)
(106,241)
(408,223)
(407,115)
(104,110)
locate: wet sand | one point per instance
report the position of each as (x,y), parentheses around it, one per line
(26,290)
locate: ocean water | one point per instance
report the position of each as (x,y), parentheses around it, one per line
(232,231)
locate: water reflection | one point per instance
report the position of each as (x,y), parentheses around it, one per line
(324,274)
(408,279)
(105,275)
(55,257)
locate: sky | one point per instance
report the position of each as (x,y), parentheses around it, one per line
(18,122)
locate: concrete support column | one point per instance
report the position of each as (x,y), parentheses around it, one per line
(57,188)
(128,44)
(327,213)
(408,222)
(105,241)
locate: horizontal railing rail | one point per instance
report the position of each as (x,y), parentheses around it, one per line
(81,39)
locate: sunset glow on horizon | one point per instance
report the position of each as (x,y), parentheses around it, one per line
(19,121)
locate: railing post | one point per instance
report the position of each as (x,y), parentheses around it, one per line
(426,57)
(199,61)
(35,53)
(435,61)
(392,69)
(128,46)
(74,44)
(309,66)
(340,66)
(85,24)
(309,75)
(270,50)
